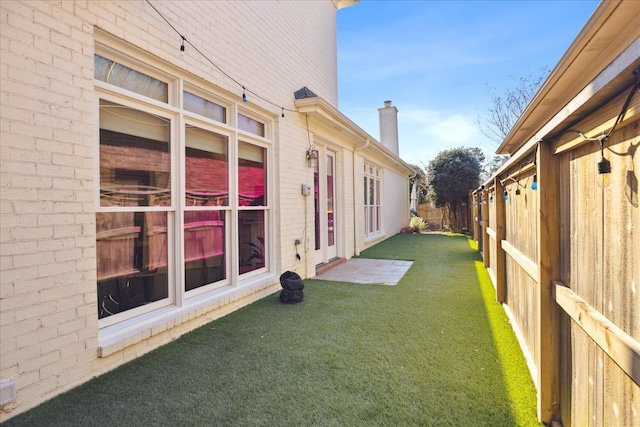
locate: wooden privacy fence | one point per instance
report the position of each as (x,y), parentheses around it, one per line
(437,218)
(561,243)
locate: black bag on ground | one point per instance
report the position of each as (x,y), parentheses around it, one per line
(292,286)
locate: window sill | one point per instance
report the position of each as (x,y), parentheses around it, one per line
(117,337)
(375,237)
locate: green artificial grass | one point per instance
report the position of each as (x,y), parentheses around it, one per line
(435,350)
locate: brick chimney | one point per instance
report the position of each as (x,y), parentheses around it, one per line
(389,127)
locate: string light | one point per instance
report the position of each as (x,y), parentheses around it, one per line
(244,90)
(534,184)
(604,165)
(505,196)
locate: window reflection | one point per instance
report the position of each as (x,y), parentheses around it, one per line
(131,260)
(206,108)
(316,198)
(251,240)
(119,75)
(250,125)
(207,168)
(135,165)
(330,201)
(204,248)
(252,172)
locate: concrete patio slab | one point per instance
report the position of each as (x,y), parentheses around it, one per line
(368,271)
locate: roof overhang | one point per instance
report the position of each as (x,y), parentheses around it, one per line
(597,67)
(329,116)
(340,4)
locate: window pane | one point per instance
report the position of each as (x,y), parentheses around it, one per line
(207,168)
(316,198)
(377,201)
(372,220)
(204,248)
(371,192)
(250,125)
(252,173)
(131,251)
(116,74)
(251,240)
(201,106)
(135,165)
(366,220)
(330,201)
(365,190)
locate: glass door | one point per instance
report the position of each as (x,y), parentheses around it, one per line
(331,205)
(325,207)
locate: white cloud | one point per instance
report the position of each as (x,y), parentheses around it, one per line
(424,133)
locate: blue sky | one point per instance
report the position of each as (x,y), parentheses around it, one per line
(438,60)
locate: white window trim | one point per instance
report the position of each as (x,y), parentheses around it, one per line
(137,324)
(379,233)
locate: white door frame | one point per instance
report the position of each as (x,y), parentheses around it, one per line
(326,212)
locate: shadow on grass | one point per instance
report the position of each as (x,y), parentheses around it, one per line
(419,353)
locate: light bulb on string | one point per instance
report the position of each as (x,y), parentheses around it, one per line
(244,94)
(604,169)
(505,196)
(534,184)
(182,46)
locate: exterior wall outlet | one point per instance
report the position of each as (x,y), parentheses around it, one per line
(7,392)
(306,189)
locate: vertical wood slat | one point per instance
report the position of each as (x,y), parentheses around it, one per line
(622,348)
(485,226)
(548,270)
(501,232)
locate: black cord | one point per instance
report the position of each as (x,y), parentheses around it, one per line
(184,40)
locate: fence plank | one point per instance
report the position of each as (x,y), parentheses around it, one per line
(621,347)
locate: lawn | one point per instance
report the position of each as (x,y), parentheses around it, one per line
(435,350)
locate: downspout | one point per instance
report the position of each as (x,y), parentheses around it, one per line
(355,221)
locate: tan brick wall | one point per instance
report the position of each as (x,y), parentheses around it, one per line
(47,224)
(48,312)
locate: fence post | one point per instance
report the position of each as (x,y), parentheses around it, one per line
(484,207)
(476,218)
(548,326)
(501,233)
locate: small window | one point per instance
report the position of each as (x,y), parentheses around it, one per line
(116,74)
(205,108)
(250,125)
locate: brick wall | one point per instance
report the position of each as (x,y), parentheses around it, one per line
(48,309)
(47,293)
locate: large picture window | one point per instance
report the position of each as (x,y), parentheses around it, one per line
(372,200)
(181,205)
